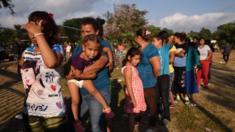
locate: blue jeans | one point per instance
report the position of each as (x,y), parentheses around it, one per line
(95,110)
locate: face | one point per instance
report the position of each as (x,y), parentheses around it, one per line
(137,38)
(202,42)
(33,40)
(88,29)
(134,60)
(157,42)
(91,49)
(177,40)
(171,39)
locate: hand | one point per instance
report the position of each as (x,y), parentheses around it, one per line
(33,27)
(110,65)
(108,113)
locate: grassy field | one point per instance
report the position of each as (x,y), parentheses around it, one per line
(215,109)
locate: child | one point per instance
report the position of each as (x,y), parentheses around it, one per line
(134,92)
(40,63)
(90,53)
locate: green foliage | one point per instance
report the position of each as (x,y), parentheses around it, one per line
(154,30)
(206,33)
(71,29)
(225,33)
(7,36)
(124,21)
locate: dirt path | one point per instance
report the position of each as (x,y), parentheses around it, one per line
(215,109)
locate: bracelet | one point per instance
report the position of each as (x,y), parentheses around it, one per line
(37,34)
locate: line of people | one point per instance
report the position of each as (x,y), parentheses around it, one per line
(160,68)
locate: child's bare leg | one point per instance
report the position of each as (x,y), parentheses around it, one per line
(74,92)
(94,92)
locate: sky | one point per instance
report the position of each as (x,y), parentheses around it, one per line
(178,15)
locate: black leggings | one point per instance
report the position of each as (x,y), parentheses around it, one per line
(179,86)
(162,94)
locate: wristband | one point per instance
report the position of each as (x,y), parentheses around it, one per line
(37,34)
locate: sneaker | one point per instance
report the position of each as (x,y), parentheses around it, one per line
(165,121)
(19,116)
(178,98)
(186,98)
(193,104)
(187,103)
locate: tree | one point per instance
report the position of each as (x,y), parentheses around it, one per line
(225,33)
(7,35)
(124,21)
(205,33)
(154,30)
(71,28)
(7,4)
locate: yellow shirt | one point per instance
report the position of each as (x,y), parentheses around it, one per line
(171,68)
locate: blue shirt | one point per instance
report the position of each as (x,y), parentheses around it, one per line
(164,59)
(101,81)
(145,67)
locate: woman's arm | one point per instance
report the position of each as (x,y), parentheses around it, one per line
(98,65)
(110,58)
(155,61)
(84,75)
(128,79)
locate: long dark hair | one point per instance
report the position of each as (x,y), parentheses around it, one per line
(163,35)
(144,33)
(50,29)
(131,53)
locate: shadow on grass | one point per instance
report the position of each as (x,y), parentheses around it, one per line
(12,75)
(214,118)
(225,101)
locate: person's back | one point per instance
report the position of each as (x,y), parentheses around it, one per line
(227,49)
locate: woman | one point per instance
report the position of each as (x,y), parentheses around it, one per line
(205,56)
(160,41)
(149,69)
(90,26)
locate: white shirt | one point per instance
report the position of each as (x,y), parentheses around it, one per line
(204,51)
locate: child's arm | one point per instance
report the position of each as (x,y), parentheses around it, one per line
(110,58)
(99,64)
(128,79)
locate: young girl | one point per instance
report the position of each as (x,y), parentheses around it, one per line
(134,91)
(41,63)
